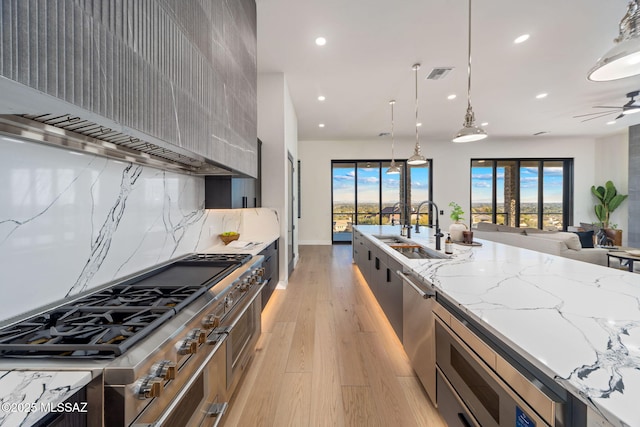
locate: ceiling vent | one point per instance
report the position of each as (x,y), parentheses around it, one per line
(438,73)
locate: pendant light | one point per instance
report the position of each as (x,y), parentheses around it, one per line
(417,158)
(393,169)
(469,132)
(623,59)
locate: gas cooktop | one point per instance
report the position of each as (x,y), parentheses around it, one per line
(108,322)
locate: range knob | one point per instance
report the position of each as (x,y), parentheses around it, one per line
(228,301)
(198,335)
(188,346)
(149,387)
(211,321)
(246,284)
(165,369)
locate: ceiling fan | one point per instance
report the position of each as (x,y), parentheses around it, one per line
(629,108)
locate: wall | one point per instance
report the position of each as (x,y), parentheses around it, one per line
(634,187)
(70,222)
(277,129)
(179,73)
(451,172)
(612,163)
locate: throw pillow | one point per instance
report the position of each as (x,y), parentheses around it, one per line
(586,238)
(571,240)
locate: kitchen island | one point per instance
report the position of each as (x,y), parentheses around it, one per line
(578,323)
(28,396)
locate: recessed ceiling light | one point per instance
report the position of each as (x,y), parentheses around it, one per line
(321,125)
(612,122)
(541,95)
(522,38)
(484,124)
(321,98)
(418,124)
(321,41)
(452,96)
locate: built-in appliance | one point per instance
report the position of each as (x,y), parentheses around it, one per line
(170,343)
(418,335)
(476,386)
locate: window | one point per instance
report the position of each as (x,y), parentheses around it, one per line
(534,193)
(362,193)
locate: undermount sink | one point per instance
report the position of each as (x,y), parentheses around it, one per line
(409,248)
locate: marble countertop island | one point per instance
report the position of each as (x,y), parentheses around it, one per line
(28,396)
(579,323)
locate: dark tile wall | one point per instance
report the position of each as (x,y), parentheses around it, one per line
(633,239)
(183,71)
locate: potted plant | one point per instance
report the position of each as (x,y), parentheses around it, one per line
(609,200)
(458,227)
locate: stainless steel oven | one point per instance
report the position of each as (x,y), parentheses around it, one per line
(243,331)
(171,342)
(201,400)
(477,387)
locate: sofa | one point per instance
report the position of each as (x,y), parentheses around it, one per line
(564,244)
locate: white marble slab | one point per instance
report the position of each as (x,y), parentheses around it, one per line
(27,396)
(70,222)
(578,322)
(258,226)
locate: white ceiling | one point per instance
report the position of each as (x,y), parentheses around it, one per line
(372,44)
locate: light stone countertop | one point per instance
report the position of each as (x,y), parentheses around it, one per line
(258,246)
(579,323)
(26,396)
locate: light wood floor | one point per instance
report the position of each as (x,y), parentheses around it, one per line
(328,357)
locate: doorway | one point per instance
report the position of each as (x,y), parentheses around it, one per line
(291,256)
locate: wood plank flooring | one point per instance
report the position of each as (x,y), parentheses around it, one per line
(328,356)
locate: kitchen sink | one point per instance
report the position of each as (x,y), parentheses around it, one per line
(409,248)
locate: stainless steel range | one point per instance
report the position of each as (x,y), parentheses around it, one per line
(171,342)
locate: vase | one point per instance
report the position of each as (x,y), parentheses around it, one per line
(602,239)
(456,229)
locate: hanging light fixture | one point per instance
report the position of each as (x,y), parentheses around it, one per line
(417,158)
(623,59)
(393,169)
(469,132)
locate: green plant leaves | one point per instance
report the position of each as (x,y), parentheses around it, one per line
(615,201)
(609,200)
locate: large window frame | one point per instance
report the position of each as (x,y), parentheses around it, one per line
(567,188)
(405,186)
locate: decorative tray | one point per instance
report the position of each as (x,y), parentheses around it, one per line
(468,244)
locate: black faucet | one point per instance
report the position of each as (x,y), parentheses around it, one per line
(438,234)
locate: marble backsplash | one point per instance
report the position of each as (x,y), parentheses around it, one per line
(71,221)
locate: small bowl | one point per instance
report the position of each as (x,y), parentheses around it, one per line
(229,239)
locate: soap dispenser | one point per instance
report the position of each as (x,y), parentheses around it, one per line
(448,245)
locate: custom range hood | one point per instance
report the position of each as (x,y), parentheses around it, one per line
(74,133)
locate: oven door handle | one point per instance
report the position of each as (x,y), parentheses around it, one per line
(176,401)
(217,410)
(231,323)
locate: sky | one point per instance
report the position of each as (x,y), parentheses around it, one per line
(552,190)
(369,185)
